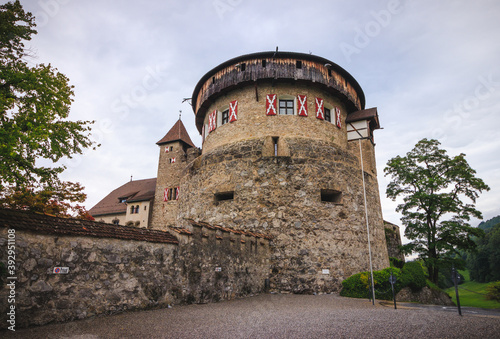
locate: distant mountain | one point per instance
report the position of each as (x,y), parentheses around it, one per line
(486,225)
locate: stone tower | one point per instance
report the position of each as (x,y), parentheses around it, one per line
(283,134)
(174,148)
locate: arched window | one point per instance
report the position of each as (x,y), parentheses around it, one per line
(137,209)
(132,209)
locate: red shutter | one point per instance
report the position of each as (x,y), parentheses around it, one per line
(320,109)
(165,195)
(233,111)
(166,149)
(302,103)
(212,121)
(271,104)
(177,193)
(338,117)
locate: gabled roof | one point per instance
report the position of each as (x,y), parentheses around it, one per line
(177,133)
(44,224)
(132,191)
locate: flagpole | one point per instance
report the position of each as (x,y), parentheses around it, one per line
(366,218)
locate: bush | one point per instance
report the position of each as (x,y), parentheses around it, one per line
(358,285)
(493,291)
(414,276)
(395,262)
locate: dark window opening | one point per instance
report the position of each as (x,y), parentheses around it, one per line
(225,116)
(132,209)
(263,63)
(329,72)
(115,221)
(331,196)
(275,146)
(328,114)
(286,107)
(298,64)
(137,209)
(145,207)
(213,80)
(243,67)
(223,196)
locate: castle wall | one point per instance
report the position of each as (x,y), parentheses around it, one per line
(108,276)
(282,196)
(169,173)
(254,123)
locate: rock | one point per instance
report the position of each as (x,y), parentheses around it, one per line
(424,296)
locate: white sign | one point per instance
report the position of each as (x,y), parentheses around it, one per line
(218,269)
(325,271)
(61,270)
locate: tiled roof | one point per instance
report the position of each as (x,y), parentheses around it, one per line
(45,224)
(133,191)
(230,230)
(176,133)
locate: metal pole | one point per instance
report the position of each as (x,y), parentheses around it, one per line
(366,217)
(454,275)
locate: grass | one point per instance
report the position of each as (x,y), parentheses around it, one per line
(472,294)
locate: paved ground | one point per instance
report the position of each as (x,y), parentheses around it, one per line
(279,316)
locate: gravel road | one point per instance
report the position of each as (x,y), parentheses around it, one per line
(278,316)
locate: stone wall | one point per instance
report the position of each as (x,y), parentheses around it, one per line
(282,196)
(393,239)
(108,275)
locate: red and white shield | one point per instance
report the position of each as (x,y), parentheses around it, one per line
(165,195)
(271,104)
(177,193)
(233,110)
(167,149)
(172,160)
(320,109)
(338,117)
(302,99)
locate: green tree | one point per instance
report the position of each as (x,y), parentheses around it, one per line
(433,186)
(34,108)
(484,265)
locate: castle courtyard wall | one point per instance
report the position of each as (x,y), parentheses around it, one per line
(108,275)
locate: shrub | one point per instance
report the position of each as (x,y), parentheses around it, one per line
(414,275)
(395,262)
(358,285)
(493,291)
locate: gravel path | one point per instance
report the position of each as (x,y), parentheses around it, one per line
(277,316)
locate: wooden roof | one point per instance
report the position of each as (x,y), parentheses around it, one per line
(45,224)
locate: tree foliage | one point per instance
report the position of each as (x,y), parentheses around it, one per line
(62,200)
(34,107)
(484,265)
(433,187)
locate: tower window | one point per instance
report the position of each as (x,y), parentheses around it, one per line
(331,196)
(298,64)
(225,116)
(243,67)
(328,114)
(263,63)
(286,106)
(223,196)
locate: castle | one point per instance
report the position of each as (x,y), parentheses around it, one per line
(288,151)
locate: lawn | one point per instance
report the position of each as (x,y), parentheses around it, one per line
(472,293)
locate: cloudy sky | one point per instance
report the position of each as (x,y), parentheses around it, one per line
(431,67)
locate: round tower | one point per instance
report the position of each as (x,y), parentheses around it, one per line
(282,140)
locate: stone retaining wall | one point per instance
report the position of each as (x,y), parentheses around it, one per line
(108,275)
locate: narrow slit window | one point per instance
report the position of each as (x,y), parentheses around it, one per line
(263,63)
(275,146)
(298,64)
(331,196)
(223,196)
(243,67)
